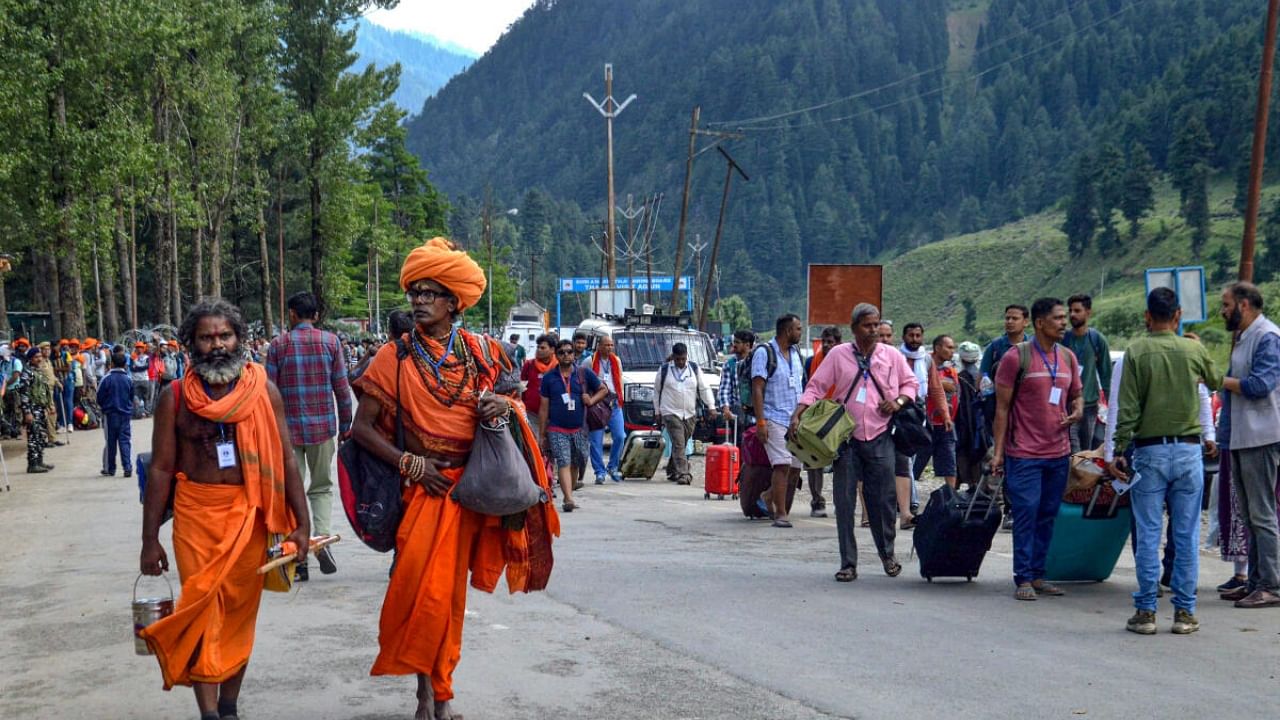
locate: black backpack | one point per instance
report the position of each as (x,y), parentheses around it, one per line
(370,488)
(972,436)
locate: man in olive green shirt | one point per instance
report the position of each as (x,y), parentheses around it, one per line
(1160,414)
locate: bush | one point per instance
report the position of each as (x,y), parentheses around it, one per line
(1124,321)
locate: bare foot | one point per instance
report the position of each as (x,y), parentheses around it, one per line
(444,711)
(426,701)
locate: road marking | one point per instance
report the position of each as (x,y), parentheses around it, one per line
(495,626)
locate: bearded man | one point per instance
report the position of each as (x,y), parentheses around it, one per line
(439,379)
(220,435)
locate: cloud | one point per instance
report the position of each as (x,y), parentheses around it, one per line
(474,25)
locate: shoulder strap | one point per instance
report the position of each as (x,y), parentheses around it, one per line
(858,378)
(662,381)
(770,361)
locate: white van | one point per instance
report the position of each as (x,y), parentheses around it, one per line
(643,343)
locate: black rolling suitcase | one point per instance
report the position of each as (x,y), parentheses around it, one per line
(954,532)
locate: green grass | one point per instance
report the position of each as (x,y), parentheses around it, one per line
(963,22)
(1028,259)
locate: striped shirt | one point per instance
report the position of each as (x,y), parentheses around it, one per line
(309,368)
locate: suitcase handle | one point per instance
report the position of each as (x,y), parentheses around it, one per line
(979,490)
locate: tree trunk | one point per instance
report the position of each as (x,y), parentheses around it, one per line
(267,320)
(280,276)
(133,257)
(197,249)
(46,266)
(70,292)
(317,238)
(215,256)
(163,273)
(4,307)
(124,262)
(175,282)
(111,294)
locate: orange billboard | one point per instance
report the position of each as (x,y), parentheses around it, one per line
(834,290)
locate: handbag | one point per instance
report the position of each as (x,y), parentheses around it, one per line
(497,480)
(909,426)
(598,415)
(823,428)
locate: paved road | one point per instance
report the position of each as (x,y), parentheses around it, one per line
(662,605)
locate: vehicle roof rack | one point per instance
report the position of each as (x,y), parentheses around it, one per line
(631,318)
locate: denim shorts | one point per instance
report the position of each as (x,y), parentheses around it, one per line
(566,447)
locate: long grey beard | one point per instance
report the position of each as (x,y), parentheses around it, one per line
(219,370)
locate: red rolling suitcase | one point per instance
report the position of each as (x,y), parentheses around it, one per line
(723,463)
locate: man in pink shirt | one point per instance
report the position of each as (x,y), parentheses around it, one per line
(1035,410)
(884,384)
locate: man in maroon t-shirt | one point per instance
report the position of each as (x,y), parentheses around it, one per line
(1034,415)
(531,374)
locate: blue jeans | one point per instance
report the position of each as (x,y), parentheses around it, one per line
(1172,474)
(119,436)
(618,433)
(1034,490)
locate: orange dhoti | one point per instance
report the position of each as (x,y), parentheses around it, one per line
(438,544)
(219,541)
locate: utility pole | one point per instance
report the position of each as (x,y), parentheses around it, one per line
(697,246)
(610,109)
(651,222)
(694,132)
(533,275)
(731,166)
(1248,243)
(486,232)
(631,213)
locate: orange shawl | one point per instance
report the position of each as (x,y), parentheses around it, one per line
(615,367)
(259,447)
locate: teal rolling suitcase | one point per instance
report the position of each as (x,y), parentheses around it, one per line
(1087,541)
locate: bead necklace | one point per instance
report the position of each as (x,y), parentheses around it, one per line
(448,392)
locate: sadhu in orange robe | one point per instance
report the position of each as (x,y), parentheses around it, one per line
(439,541)
(220,539)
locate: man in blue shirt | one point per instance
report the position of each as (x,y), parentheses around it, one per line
(774,397)
(567,391)
(115,397)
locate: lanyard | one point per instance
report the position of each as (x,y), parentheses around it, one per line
(1053,369)
(222,428)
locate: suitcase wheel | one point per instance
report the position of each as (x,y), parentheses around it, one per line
(719,497)
(968,578)
(735,496)
(928,578)
(706,496)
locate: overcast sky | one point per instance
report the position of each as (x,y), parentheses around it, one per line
(473,24)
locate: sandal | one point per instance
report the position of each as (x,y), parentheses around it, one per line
(1044,587)
(1025,592)
(891,567)
(782,523)
(569,507)
(847,574)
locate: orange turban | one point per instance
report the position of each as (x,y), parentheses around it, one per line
(440,260)
(89,344)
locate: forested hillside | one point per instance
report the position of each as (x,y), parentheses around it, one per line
(425,66)
(871,126)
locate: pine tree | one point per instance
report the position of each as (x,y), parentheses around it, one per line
(1139,195)
(1110,177)
(1082,217)
(1267,265)
(1192,147)
(970,316)
(1196,208)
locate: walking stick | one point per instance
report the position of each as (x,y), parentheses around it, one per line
(316,544)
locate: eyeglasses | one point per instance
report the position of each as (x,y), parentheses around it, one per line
(566,351)
(426,295)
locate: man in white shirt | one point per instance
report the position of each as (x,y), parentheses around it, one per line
(680,385)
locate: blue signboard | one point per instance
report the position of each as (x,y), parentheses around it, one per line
(1188,284)
(661,283)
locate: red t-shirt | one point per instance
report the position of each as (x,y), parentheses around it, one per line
(533,386)
(1035,429)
